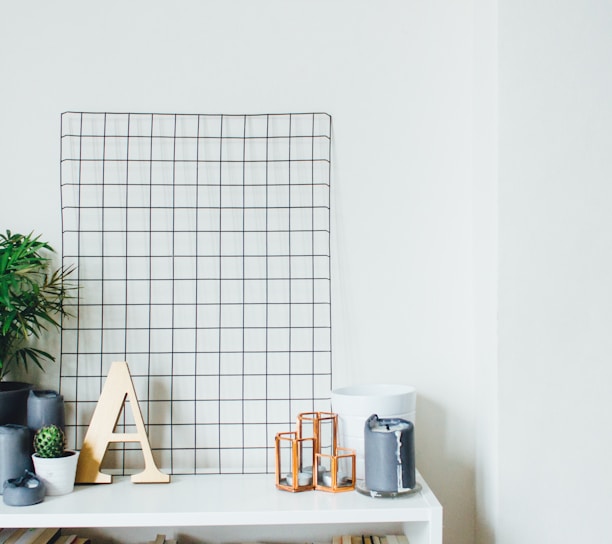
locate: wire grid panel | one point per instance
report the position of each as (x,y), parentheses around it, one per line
(202,245)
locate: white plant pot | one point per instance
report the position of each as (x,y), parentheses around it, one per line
(57,473)
(355,404)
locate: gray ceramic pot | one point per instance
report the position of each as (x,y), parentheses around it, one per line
(14,402)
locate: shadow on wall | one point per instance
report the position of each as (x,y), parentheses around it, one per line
(447,471)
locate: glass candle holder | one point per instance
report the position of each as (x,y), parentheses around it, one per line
(335,473)
(294,462)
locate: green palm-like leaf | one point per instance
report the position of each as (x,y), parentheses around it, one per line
(31,299)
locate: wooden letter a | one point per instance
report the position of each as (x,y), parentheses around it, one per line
(100,433)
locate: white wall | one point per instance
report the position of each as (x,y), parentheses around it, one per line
(397,78)
(555,290)
(485,253)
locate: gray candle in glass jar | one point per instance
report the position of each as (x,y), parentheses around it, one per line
(389,454)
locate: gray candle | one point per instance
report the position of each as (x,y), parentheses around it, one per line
(14,452)
(45,407)
(389,454)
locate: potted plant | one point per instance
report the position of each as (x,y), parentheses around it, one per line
(53,463)
(32,300)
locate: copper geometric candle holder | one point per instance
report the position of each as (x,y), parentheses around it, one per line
(294,461)
(334,466)
(309,458)
(336,473)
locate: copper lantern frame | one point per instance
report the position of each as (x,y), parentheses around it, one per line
(332,470)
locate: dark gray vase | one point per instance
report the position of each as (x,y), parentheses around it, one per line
(14,402)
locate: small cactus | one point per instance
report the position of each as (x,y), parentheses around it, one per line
(49,442)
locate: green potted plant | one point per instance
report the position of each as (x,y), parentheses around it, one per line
(32,299)
(53,463)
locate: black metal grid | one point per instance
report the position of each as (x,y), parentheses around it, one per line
(203,251)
